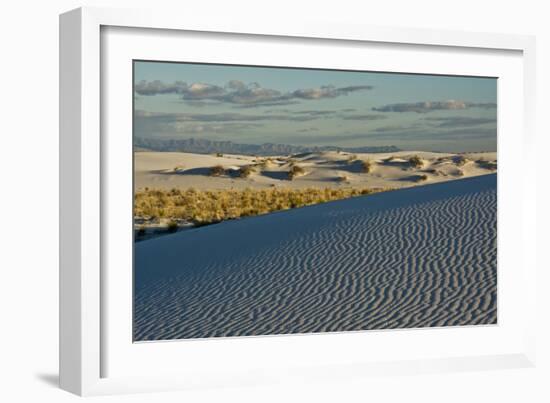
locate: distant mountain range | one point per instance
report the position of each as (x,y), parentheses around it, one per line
(203,146)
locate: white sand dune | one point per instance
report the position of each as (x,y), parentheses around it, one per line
(165,170)
(416,257)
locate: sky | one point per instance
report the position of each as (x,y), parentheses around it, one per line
(255,105)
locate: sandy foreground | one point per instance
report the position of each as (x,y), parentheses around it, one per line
(416,257)
(166,170)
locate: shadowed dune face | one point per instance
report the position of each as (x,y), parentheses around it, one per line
(418,257)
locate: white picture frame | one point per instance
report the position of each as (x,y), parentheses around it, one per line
(86,345)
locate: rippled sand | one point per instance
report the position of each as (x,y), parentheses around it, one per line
(417,257)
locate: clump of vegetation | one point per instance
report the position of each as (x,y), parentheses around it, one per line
(264,162)
(202,207)
(140,232)
(416,161)
(490,165)
(172,226)
(219,155)
(342,178)
(245,171)
(461,160)
(295,171)
(421,178)
(366,166)
(217,170)
(443,160)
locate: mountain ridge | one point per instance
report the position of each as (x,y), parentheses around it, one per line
(204,146)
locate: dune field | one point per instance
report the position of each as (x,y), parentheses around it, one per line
(276,183)
(421,256)
(166,170)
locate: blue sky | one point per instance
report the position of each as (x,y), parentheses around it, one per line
(257,105)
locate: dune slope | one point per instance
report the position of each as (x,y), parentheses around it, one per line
(417,257)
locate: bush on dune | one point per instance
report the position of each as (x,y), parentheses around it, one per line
(203,207)
(295,171)
(490,165)
(343,178)
(461,160)
(140,233)
(366,166)
(245,171)
(172,226)
(418,178)
(416,161)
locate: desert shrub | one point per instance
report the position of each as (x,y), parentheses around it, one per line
(491,165)
(421,178)
(342,178)
(202,207)
(366,166)
(172,226)
(295,171)
(217,170)
(219,155)
(245,171)
(461,160)
(416,161)
(263,163)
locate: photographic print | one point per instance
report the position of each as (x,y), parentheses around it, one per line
(278,200)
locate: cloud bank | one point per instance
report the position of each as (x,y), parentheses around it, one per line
(459,121)
(240,94)
(220,117)
(364,117)
(430,106)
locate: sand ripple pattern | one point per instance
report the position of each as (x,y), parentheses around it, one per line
(418,257)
